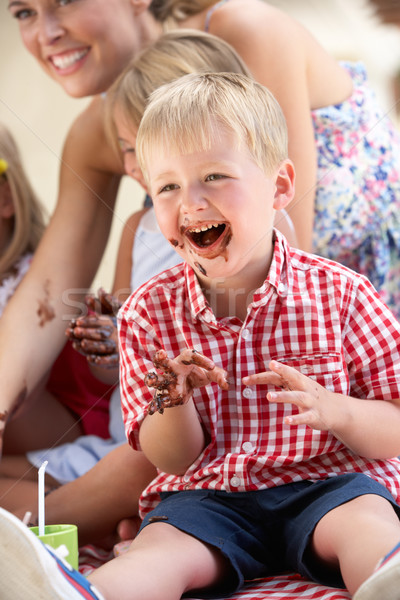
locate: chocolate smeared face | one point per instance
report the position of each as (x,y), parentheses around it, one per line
(218,204)
(200,268)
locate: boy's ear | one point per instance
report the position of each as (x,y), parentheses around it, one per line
(285,178)
(7,209)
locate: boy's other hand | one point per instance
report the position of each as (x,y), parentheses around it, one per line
(317,406)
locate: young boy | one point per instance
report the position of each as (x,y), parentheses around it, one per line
(263,382)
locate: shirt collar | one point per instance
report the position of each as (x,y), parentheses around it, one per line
(278,278)
(197,300)
(279,271)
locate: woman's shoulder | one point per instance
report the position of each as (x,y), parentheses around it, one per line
(87,138)
(243,16)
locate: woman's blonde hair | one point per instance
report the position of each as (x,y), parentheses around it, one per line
(29,222)
(188,114)
(174,54)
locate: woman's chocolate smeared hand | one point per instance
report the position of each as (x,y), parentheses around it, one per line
(179,377)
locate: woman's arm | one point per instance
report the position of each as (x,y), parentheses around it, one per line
(32,327)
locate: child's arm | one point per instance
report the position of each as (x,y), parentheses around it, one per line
(123,264)
(172,436)
(369,428)
(96,336)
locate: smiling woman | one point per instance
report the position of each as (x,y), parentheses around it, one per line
(81,44)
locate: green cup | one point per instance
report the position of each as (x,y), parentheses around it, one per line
(64,539)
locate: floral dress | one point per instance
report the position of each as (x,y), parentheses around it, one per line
(357,205)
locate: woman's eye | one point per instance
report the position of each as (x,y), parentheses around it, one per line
(22,14)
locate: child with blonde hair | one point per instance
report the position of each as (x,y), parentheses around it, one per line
(143,250)
(22,218)
(264,371)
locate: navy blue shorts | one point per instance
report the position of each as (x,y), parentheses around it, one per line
(267,532)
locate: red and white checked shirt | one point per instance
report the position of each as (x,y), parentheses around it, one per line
(310,313)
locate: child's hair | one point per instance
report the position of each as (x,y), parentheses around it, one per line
(28,216)
(185,116)
(166,11)
(174,54)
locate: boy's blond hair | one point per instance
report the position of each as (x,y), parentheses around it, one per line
(29,222)
(173,55)
(185,116)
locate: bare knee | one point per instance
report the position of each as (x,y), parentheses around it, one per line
(198,564)
(357,521)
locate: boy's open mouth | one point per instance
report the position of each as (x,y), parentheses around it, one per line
(205,236)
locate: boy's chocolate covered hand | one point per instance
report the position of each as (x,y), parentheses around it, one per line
(179,377)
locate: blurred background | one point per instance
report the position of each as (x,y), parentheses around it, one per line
(39,113)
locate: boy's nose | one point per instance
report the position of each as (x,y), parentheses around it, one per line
(194,200)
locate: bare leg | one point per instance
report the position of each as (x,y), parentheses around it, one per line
(355,536)
(99,499)
(161,564)
(42,423)
(18,483)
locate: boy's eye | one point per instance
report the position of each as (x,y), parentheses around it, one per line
(214,177)
(169,187)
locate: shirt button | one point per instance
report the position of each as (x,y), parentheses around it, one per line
(186,478)
(247,446)
(245,334)
(208,317)
(281,287)
(247,393)
(235,481)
